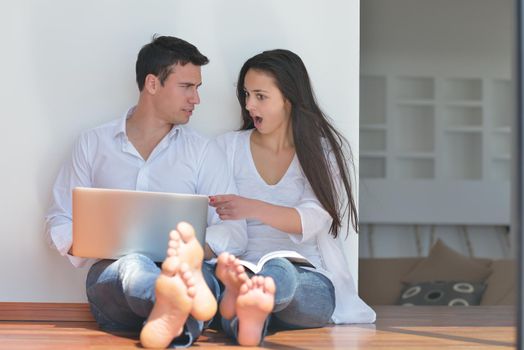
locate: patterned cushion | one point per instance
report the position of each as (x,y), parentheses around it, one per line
(453,293)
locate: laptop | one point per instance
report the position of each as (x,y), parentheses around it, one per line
(111,223)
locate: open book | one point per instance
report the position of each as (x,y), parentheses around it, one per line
(291,255)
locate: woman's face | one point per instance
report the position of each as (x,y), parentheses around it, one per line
(265,103)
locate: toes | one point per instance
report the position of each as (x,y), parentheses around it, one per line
(244,288)
(269,285)
(239,269)
(173,243)
(191,291)
(170,265)
(191,281)
(258,281)
(174,236)
(223,258)
(172,252)
(186,231)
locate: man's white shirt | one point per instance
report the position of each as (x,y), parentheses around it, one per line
(183,162)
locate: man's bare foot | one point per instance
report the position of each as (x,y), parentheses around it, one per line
(254,303)
(233,276)
(184,245)
(174,291)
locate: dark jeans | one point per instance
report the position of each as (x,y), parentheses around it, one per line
(121,294)
(303,298)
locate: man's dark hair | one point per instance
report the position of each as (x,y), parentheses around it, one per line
(160,56)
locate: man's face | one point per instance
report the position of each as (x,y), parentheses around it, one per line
(176,100)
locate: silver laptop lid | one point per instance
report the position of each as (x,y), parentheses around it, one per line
(111,223)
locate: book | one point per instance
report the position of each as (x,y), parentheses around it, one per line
(291,255)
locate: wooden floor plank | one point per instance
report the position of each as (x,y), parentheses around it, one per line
(47,327)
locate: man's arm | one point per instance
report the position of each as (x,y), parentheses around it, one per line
(58,221)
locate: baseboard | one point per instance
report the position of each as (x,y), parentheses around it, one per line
(14,311)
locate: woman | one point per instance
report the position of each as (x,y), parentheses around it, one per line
(294,187)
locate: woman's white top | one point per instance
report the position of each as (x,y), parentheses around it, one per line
(315,243)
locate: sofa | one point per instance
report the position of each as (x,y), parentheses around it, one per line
(444,277)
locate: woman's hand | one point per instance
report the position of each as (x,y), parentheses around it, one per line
(233,207)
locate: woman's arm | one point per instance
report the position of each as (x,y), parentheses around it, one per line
(233,207)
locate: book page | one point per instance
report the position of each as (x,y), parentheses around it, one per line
(291,255)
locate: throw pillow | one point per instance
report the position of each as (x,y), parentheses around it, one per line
(501,284)
(454,293)
(445,264)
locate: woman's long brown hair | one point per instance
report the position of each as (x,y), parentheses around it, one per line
(311,130)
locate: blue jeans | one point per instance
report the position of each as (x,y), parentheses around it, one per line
(303,299)
(121,294)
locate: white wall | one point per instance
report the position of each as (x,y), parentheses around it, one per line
(69,65)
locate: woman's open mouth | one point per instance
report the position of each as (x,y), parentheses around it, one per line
(257,121)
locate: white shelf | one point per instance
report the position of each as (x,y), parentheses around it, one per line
(372,127)
(465,129)
(440,133)
(415,88)
(372,168)
(464,103)
(415,129)
(433,201)
(417,155)
(501,168)
(414,168)
(463,89)
(501,101)
(416,102)
(463,159)
(372,140)
(502,157)
(373,100)
(371,154)
(500,144)
(502,130)
(466,116)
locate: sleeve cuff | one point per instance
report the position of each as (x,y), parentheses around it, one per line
(227,236)
(314,222)
(61,238)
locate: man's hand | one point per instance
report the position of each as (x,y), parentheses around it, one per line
(233,207)
(208,253)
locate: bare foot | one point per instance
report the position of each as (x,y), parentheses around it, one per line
(233,276)
(186,247)
(254,304)
(174,292)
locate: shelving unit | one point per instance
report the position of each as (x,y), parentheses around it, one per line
(439,139)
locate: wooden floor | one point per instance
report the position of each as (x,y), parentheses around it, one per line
(70,326)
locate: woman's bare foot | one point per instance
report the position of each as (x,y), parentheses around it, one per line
(174,292)
(233,276)
(184,245)
(254,304)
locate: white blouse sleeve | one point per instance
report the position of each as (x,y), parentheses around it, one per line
(314,218)
(227,235)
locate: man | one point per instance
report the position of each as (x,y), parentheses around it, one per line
(150,149)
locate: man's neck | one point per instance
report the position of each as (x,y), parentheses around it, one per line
(145,130)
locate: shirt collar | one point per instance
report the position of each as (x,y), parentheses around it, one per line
(120,127)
